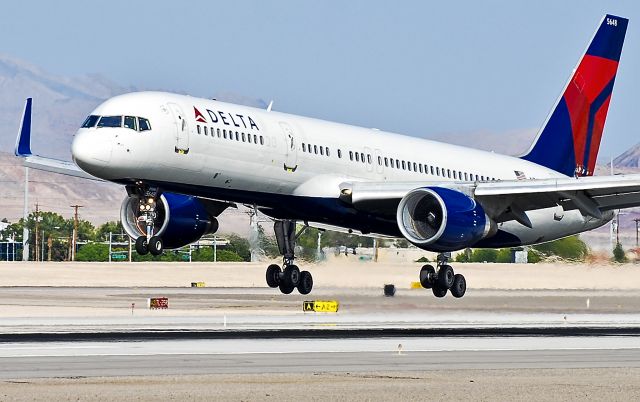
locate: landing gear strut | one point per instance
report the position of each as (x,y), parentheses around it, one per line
(289,277)
(442,279)
(148,199)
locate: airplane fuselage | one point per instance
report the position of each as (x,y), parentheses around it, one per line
(291,166)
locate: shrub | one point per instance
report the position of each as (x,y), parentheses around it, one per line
(93,252)
(619,254)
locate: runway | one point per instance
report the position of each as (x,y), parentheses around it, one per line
(317,355)
(252,343)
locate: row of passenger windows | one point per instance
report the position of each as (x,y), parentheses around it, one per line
(231,135)
(317,149)
(132,122)
(353,156)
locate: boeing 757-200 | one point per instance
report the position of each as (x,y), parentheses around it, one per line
(184,160)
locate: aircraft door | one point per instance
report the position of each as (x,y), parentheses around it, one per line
(290,147)
(369,158)
(377,160)
(182,129)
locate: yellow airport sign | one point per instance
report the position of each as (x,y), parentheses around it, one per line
(416,285)
(321,306)
(197,284)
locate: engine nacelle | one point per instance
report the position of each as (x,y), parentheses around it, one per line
(441,219)
(180,219)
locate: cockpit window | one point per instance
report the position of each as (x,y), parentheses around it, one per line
(90,121)
(130,122)
(143,124)
(110,121)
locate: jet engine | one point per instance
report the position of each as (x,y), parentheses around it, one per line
(441,219)
(179,219)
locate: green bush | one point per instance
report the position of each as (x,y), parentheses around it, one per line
(569,248)
(228,256)
(93,252)
(423,259)
(484,255)
(619,254)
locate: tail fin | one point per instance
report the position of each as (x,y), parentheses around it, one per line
(570,138)
(23,142)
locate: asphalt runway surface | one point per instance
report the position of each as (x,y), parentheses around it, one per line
(256,344)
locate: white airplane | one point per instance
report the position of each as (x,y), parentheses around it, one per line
(184,160)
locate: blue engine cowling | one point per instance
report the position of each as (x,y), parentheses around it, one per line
(179,220)
(441,219)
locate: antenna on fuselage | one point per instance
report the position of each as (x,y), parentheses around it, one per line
(270,105)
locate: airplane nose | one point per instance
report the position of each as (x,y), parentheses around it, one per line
(91,151)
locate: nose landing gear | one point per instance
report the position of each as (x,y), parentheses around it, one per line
(444,279)
(147,214)
(289,277)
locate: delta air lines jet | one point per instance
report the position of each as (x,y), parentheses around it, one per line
(184,160)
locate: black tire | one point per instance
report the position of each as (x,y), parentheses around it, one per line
(427,276)
(291,276)
(155,245)
(445,277)
(141,245)
(459,286)
(273,275)
(305,284)
(438,291)
(286,289)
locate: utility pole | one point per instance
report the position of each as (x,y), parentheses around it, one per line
(636,221)
(25,229)
(75,231)
(37,249)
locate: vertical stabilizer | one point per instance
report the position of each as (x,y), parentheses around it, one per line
(569,140)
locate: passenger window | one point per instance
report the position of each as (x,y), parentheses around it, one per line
(315,149)
(237,136)
(321,151)
(255,138)
(455,175)
(409,166)
(420,167)
(243,138)
(351,155)
(206,130)
(357,157)
(110,121)
(130,122)
(326,151)
(90,121)
(369,158)
(249,138)
(431,169)
(449,173)
(386,161)
(466,177)
(261,140)
(339,154)
(404,165)
(380,160)
(224,134)
(198,128)
(393,164)
(304,147)
(437,171)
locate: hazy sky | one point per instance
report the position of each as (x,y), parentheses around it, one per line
(419,68)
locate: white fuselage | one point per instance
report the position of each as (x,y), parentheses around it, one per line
(237,153)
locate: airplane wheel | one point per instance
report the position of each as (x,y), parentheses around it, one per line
(445,277)
(273,275)
(286,288)
(155,245)
(142,247)
(427,276)
(306,283)
(291,276)
(459,286)
(438,291)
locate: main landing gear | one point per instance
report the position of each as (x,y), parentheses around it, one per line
(289,277)
(443,279)
(148,200)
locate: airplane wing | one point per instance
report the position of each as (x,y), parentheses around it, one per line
(509,199)
(23,150)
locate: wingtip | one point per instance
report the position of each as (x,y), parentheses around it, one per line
(23,142)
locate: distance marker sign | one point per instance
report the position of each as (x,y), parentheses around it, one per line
(321,306)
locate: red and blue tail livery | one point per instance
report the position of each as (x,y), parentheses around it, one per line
(569,140)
